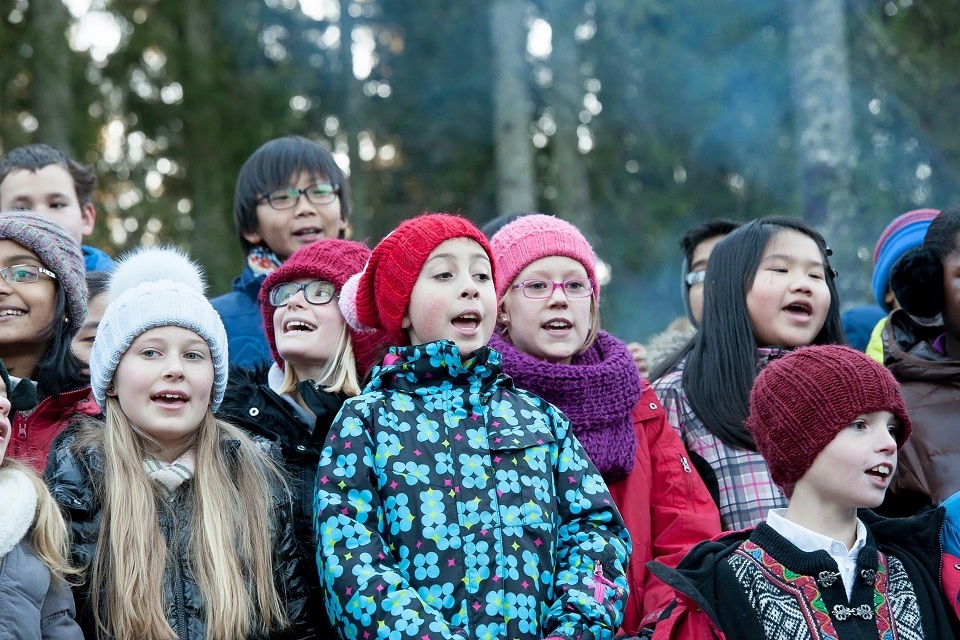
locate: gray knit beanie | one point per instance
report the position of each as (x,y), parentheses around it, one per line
(57,250)
(155,287)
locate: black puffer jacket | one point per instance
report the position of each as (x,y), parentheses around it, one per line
(250,403)
(74,477)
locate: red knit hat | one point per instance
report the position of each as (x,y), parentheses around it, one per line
(800,402)
(332,260)
(379,296)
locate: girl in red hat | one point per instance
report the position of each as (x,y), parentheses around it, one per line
(451,504)
(319,362)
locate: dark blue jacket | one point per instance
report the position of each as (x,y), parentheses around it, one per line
(96,260)
(240,312)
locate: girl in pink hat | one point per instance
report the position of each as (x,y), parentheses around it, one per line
(550,338)
(449,503)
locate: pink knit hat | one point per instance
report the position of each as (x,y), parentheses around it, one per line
(332,260)
(532,237)
(378,297)
(800,402)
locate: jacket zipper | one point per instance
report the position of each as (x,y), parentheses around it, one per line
(600,584)
(180,605)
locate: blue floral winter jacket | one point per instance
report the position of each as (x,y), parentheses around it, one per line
(451,505)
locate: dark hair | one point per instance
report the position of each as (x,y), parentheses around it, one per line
(704,231)
(97,283)
(58,369)
(271,166)
(916,279)
(722,362)
(33,157)
(494,225)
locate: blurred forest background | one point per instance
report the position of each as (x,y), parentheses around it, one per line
(632,118)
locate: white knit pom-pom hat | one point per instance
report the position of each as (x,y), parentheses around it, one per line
(155,287)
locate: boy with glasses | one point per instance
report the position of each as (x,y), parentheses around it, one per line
(290,193)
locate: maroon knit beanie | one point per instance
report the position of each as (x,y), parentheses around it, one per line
(332,260)
(800,402)
(382,291)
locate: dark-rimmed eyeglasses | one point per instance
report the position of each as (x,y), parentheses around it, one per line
(540,289)
(696,277)
(314,292)
(25,273)
(288,197)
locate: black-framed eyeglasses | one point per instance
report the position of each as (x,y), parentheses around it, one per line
(25,273)
(314,292)
(696,277)
(317,193)
(540,289)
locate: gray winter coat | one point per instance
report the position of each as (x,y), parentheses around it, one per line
(33,603)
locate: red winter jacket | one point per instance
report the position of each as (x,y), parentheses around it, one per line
(32,433)
(666,507)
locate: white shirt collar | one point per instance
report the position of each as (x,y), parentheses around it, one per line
(810,541)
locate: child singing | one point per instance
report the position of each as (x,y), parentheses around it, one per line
(449,503)
(829,421)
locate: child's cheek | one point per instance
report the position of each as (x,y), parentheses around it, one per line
(430,320)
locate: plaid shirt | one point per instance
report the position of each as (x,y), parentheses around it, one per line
(747,492)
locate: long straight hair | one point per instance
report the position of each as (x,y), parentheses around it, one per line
(339,373)
(48,534)
(231,539)
(58,369)
(722,362)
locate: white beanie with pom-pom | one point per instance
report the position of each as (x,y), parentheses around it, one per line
(155,287)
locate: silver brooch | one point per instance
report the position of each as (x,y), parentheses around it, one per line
(827,578)
(841,612)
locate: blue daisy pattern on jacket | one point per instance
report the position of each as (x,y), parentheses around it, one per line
(451,505)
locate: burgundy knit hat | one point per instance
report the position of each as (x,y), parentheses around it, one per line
(800,402)
(332,260)
(379,296)
(532,237)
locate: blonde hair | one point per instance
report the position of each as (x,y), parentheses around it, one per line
(48,534)
(230,547)
(339,373)
(591,334)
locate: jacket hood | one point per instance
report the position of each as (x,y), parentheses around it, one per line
(909,352)
(18,508)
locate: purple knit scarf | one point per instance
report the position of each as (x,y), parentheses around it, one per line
(597,392)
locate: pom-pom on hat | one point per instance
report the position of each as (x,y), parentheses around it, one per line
(903,233)
(381,294)
(155,287)
(532,237)
(800,402)
(58,251)
(334,261)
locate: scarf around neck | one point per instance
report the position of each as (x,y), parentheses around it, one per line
(170,475)
(262,260)
(597,392)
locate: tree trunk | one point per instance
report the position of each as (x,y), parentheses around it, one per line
(823,123)
(567,167)
(52,95)
(214,238)
(512,109)
(352,118)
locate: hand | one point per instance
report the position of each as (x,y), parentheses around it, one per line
(639,353)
